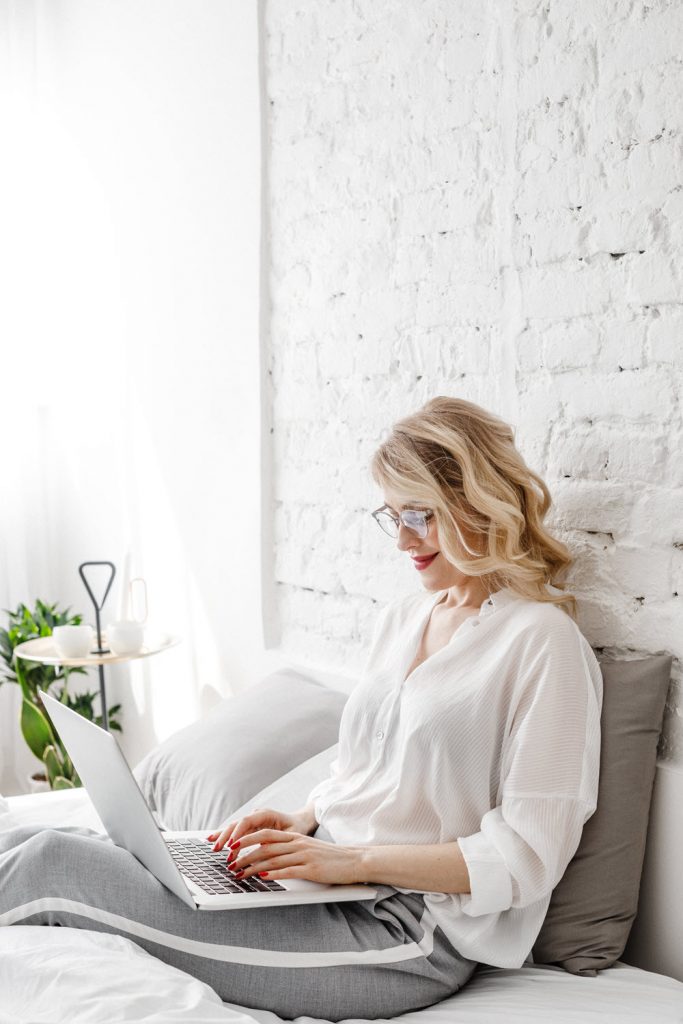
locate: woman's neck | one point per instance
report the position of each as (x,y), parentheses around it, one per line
(471,594)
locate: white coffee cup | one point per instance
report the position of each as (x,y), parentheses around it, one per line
(73,641)
(125,636)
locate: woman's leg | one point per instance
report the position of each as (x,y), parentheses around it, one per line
(362,959)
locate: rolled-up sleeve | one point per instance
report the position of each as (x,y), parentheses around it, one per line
(550,774)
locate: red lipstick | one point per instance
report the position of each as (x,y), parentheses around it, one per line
(422,563)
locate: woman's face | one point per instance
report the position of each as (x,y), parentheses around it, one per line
(436,573)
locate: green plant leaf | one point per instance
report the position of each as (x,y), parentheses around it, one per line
(53,764)
(20,670)
(6,649)
(62,783)
(25,623)
(35,728)
(68,767)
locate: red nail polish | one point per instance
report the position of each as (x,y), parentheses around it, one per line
(263,874)
(233,846)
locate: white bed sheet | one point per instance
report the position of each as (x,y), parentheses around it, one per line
(74,975)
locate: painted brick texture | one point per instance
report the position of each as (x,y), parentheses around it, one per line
(482,200)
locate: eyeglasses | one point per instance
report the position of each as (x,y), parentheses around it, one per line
(413,519)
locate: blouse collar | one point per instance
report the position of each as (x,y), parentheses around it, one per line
(494,602)
(500,599)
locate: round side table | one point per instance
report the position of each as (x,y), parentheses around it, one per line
(43,649)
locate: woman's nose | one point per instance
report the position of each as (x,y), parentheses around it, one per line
(407,538)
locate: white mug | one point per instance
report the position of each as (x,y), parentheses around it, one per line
(125,636)
(73,641)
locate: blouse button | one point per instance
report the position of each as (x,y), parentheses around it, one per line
(476,622)
(379,735)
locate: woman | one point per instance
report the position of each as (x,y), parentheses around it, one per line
(468,764)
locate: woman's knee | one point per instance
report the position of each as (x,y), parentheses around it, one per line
(55,850)
(47,838)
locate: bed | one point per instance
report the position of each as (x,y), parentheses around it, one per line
(61,974)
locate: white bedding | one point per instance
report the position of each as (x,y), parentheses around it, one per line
(70,975)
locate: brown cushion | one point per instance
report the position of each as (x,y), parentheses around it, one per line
(593,906)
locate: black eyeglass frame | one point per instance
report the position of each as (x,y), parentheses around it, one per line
(420,527)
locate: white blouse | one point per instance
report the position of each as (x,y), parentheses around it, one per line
(493,741)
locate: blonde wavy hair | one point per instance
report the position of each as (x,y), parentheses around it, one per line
(459,460)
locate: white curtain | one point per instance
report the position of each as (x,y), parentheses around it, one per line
(129,373)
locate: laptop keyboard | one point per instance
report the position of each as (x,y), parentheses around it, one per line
(208,870)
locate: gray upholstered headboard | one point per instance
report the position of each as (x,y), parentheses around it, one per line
(656,940)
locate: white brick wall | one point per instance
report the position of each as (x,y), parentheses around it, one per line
(482,200)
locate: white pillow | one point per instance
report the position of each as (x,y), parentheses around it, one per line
(194,778)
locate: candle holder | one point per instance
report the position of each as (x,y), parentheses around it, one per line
(98,608)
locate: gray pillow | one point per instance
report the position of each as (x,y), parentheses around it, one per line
(290,791)
(198,776)
(593,906)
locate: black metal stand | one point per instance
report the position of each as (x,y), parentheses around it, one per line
(100,648)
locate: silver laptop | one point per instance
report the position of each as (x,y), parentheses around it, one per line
(183,861)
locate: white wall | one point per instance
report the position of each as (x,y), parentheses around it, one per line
(130,410)
(479,199)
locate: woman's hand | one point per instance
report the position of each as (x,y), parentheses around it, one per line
(285,854)
(260,817)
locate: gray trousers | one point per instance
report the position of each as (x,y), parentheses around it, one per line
(365,959)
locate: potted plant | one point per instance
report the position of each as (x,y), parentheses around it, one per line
(37,730)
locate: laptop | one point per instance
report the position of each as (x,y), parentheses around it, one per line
(182,861)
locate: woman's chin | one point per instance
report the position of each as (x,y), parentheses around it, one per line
(432,585)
